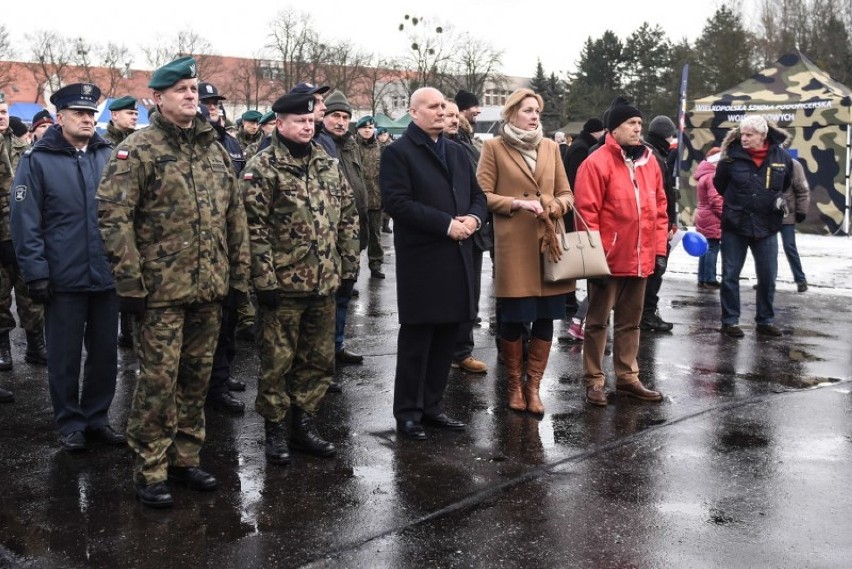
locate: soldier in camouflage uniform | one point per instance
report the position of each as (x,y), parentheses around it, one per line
(304,240)
(250,129)
(122,123)
(30,314)
(174,227)
(370,153)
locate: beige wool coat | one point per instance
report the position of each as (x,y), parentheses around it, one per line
(504,177)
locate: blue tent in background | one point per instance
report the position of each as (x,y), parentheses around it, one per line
(25,111)
(103,118)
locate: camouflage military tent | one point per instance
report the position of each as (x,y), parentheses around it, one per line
(805,102)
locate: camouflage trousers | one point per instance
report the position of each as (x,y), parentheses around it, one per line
(30,313)
(246,312)
(175,348)
(375,252)
(296,346)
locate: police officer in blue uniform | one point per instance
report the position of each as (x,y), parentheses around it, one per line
(54,223)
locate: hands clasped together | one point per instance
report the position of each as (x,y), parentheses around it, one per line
(462,227)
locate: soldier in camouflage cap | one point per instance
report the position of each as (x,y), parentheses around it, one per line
(30,314)
(174,227)
(304,240)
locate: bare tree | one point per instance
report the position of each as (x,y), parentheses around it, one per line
(381,83)
(429,54)
(186,42)
(250,85)
(7,55)
(475,63)
(116,61)
(293,47)
(345,68)
(82,55)
(50,58)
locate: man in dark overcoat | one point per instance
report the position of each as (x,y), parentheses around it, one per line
(429,188)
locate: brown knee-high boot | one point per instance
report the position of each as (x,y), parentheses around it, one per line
(513,360)
(536,362)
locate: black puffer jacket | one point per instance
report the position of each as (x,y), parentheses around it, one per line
(751,193)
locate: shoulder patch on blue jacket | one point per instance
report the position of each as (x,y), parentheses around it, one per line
(20,193)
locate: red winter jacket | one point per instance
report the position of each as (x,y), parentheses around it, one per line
(631,218)
(708,214)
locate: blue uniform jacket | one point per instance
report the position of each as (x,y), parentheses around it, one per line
(54,214)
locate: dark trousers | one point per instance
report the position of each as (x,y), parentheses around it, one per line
(788,240)
(464,341)
(226,350)
(765,252)
(424,354)
(652,290)
(72,320)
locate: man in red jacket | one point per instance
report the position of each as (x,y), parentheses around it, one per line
(623,197)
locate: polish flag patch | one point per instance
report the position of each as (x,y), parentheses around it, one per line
(122,154)
(248,175)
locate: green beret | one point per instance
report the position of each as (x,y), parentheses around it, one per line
(123,104)
(365,121)
(251,116)
(268,117)
(171,73)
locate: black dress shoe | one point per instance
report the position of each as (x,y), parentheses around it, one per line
(226,402)
(334,387)
(376,274)
(443,422)
(234,384)
(344,356)
(193,478)
(73,442)
(769,330)
(154,495)
(106,435)
(6,396)
(411,429)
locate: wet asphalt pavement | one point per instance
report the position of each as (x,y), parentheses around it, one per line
(746,463)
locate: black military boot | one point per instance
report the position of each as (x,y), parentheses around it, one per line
(277,451)
(36,350)
(5,352)
(125,331)
(6,396)
(305,437)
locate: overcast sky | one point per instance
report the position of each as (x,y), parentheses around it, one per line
(524,31)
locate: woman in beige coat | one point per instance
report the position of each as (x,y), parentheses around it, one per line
(522,175)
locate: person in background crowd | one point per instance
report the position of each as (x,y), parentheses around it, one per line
(621,195)
(384,139)
(469,110)
(708,218)
(219,395)
(30,314)
(123,119)
(798,198)
(661,134)
(339,143)
(41,121)
(482,241)
(178,245)
(267,127)
(592,133)
(304,242)
(752,176)
(429,189)
(54,223)
(370,153)
(249,131)
(523,178)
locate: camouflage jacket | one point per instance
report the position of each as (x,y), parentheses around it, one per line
(345,149)
(302,222)
(116,135)
(171,216)
(370,156)
(245,140)
(11,150)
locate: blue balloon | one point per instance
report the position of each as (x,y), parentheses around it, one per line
(694,243)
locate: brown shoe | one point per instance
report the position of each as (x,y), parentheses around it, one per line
(596,396)
(471,365)
(638,391)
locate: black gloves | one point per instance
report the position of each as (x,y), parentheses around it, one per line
(346,288)
(800,217)
(41,292)
(132,305)
(268,298)
(660,264)
(233,300)
(7,254)
(601,282)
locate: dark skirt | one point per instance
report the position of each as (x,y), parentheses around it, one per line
(532,308)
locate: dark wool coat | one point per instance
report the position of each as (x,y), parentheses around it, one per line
(434,272)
